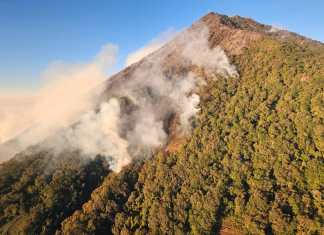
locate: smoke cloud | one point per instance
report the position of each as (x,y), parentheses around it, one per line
(197,51)
(152,46)
(277,28)
(67,92)
(137,112)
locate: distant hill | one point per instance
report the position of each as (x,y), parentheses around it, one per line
(250,161)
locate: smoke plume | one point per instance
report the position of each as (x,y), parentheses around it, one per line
(67,92)
(152,46)
(133,117)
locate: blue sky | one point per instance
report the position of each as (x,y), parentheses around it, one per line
(35,33)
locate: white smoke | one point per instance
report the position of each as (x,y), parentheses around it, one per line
(134,118)
(96,133)
(65,95)
(277,28)
(152,46)
(199,52)
(132,123)
(124,135)
(13,115)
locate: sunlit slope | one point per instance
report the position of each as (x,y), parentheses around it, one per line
(253,163)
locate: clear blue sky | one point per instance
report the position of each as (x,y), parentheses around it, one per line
(34,33)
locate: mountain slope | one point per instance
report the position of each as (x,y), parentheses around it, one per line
(252,165)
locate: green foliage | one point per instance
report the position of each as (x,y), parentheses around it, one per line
(98,214)
(254,163)
(255,158)
(44,190)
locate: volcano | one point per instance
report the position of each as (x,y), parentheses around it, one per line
(220,131)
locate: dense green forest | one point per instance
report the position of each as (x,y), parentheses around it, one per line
(254,163)
(39,191)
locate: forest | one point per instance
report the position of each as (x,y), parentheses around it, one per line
(252,165)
